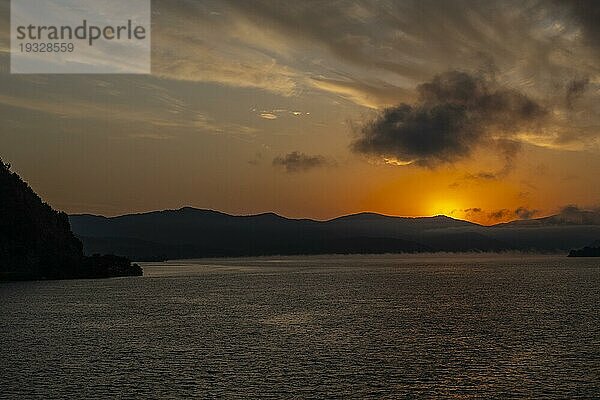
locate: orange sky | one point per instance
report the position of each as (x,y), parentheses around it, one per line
(256,109)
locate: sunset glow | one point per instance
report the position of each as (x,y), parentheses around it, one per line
(352,110)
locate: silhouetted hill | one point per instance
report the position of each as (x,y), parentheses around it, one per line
(585,252)
(190,233)
(568,216)
(571,228)
(36,242)
(593,250)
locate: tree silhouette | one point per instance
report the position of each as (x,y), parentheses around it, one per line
(36,241)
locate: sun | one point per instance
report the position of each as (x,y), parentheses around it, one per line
(447,207)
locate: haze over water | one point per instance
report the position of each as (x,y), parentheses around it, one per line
(477,326)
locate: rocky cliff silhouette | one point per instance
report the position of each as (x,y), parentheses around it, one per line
(36,241)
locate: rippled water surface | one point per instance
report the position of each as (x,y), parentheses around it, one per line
(315,327)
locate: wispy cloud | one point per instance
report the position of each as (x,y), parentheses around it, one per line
(279,112)
(266,115)
(135,117)
(499,215)
(374,94)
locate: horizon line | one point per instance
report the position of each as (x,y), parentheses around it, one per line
(302,218)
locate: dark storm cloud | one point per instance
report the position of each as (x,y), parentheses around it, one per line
(456,112)
(300,162)
(575,90)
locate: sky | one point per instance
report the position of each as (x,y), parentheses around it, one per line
(479,110)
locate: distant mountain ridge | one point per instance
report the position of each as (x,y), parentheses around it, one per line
(567,217)
(190,233)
